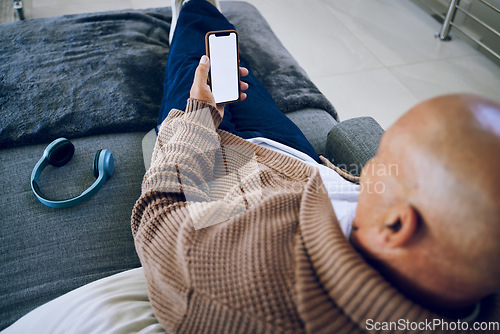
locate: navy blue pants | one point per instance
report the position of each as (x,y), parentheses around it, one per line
(256,116)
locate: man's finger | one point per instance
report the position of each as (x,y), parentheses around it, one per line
(243,72)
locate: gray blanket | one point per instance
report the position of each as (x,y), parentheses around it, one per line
(91,74)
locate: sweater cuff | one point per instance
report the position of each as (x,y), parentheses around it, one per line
(197,105)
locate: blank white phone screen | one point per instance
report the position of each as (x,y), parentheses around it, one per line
(224,67)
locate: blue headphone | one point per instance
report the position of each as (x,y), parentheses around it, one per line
(57,154)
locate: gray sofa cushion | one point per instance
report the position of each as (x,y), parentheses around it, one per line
(353,142)
(47,252)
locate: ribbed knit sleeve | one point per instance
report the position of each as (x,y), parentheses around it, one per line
(184,153)
(182,162)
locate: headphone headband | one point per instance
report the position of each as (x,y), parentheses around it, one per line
(58,153)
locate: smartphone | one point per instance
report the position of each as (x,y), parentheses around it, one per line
(224,76)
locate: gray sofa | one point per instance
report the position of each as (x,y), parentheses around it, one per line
(97,80)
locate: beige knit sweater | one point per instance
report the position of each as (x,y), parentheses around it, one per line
(277,261)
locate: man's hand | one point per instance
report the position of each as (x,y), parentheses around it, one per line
(200,89)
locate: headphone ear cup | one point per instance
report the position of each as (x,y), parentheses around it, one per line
(95,164)
(103,160)
(109,163)
(60,153)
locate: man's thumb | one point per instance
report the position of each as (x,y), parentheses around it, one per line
(202,70)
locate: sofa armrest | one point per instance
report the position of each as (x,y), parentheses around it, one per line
(351,143)
(315,125)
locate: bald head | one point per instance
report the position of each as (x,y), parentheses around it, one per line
(436,226)
(450,163)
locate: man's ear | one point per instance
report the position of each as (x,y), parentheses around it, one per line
(401,225)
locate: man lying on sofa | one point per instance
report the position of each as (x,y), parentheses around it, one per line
(243,230)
